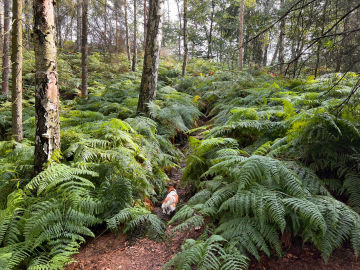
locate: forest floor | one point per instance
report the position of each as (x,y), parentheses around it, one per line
(118,252)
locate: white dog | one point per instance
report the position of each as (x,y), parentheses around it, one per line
(169,204)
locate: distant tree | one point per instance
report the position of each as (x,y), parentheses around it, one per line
(151,58)
(241,34)
(47,137)
(78,24)
(127,42)
(84,49)
(133,66)
(186,50)
(6,48)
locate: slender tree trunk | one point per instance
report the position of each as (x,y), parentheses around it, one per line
(27,22)
(180,25)
(340,57)
(281,42)
(133,66)
(241,34)
(16,59)
(265,58)
(275,54)
(6,49)
(186,50)
(79,24)
(145,23)
(117,32)
(47,139)
(106,46)
(127,31)
(152,54)
(84,50)
(1,26)
(209,52)
(317,63)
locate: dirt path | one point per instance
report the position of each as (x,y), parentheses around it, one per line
(110,252)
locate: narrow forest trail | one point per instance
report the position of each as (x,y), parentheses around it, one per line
(111,252)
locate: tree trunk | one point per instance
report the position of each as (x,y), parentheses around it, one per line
(27,22)
(84,50)
(241,34)
(275,54)
(127,32)
(106,46)
(6,49)
(281,42)
(145,23)
(186,50)
(16,59)
(209,52)
(152,54)
(133,66)
(117,31)
(180,25)
(1,25)
(79,24)
(47,139)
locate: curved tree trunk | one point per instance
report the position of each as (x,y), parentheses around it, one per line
(84,49)
(16,59)
(47,139)
(133,66)
(186,50)
(241,34)
(152,54)
(6,49)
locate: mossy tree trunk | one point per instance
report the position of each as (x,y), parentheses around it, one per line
(47,137)
(84,49)
(152,54)
(281,42)
(16,59)
(133,66)
(6,48)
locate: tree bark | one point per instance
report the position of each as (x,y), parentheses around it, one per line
(241,34)
(209,52)
(145,23)
(1,25)
(152,54)
(79,24)
(133,66)
(186,50)
(47,139)
(127,32)
(27,22)
(84,50)
(16,59)
(117,31)
(281,42)
(6,49)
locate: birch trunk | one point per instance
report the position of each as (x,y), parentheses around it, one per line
(6,49)
(16,59)
(47,139)
(152,54)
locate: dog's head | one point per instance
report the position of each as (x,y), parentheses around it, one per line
(171,188)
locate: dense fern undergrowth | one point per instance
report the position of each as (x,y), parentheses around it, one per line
(279,156)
